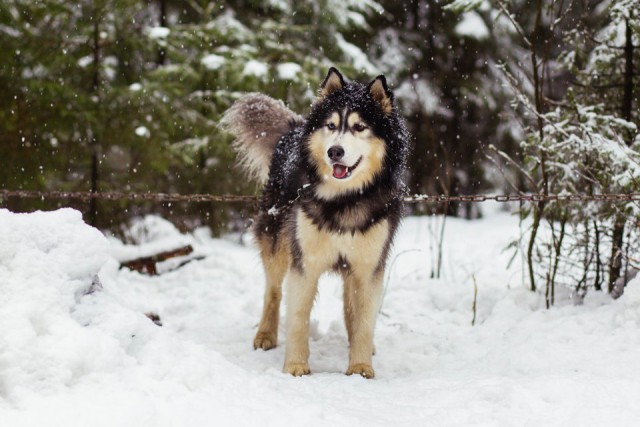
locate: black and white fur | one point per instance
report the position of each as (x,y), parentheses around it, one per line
(332,201)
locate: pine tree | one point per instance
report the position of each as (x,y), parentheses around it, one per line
(123,95)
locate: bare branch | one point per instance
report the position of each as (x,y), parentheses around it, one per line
(515,24)
(515,164)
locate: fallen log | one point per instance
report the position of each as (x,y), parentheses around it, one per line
(147,264)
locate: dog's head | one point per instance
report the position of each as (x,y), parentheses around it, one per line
(348,124)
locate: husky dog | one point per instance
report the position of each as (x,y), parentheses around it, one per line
(332,201)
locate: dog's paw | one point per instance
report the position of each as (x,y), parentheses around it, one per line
(361,369)
(296,369)
(265,341)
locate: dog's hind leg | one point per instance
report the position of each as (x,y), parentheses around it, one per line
(276,263)
(365,301)
(301,292)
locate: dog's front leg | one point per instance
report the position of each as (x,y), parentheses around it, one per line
(365,303)
(301,292)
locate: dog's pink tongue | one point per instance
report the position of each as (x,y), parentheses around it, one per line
(339,171)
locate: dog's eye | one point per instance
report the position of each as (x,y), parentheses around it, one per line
(359,127)
(331,126)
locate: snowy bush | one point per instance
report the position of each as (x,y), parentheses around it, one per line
(589,144)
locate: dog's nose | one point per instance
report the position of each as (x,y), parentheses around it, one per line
(335,153)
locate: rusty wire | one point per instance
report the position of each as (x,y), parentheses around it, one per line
(230,198)
(626,197)
(116,195)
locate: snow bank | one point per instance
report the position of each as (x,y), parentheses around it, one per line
(77,354)
(47,263)
(68,345)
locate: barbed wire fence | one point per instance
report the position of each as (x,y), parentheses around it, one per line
(234,198)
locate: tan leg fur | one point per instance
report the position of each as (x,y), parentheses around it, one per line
(301,292)
(365,302)
(276,263)
(347,297)
(363,291)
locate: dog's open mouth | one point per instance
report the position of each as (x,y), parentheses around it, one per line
(341,171)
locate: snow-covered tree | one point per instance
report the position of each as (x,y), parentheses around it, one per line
(588,143)
(124,95)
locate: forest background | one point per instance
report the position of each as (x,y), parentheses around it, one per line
(500,96)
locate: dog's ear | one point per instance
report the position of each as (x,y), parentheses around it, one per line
(381,94)
(334,81)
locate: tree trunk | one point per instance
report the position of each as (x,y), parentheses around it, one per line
(615,262)
(627,100)
(162,54)
(598,280)
(537,87)
(93,203)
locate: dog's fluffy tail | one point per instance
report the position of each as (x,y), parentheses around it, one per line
(258,122)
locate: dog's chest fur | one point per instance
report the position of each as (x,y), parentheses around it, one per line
(322,249)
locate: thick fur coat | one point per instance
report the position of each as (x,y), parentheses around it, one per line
(332,201)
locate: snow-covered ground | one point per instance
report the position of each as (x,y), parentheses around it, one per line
(77,350)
